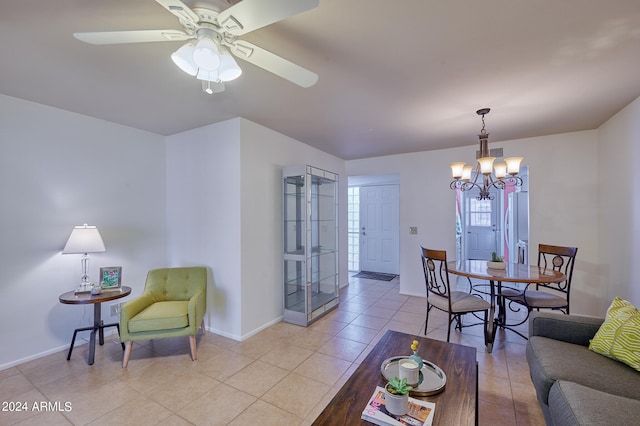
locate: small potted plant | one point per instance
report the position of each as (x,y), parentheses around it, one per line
(496,262)
(396,396)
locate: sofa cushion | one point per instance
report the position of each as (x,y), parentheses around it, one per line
(161,316)
(573,404)
(551,360)
(619,335)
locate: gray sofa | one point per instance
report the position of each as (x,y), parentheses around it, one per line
(574,385)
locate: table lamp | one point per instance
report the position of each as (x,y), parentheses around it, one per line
(83,240)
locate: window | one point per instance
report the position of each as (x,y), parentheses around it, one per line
(353,227)
(479,212)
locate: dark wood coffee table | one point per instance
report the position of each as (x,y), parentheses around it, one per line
(456,405)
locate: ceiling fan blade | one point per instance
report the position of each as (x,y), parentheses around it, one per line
(273,63)
(249,15)
(135,36)
(181,10)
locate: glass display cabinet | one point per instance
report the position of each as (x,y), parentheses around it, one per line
(310,257)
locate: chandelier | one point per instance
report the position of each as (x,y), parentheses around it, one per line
(465,178)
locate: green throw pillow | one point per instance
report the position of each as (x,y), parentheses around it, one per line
(619,334)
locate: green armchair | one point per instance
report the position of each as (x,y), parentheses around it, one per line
(172,304)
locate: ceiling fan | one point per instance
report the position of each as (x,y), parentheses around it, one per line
(212,34)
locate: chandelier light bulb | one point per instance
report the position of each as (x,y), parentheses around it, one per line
(500,170)
(466,173)
(456,169)
(206,55)
(486,165)
(513,165)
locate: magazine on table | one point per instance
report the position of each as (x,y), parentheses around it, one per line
(420,413)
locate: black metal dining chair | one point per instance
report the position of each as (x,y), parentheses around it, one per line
(554,296)
(440,296)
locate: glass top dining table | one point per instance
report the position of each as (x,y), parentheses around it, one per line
(513,273)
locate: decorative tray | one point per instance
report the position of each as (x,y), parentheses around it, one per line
(432,379)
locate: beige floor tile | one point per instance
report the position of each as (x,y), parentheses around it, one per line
(496,414)
(223,364)
(358,333)
(139,412)
(328,326)
(353,307)
(217,407)
(389,304)
(175,420)
(298,403)
(14,386)
(370,321)
(268,415)
(364,353)
(48,418)
(345,349)
(8,372)
(323,368)
(258,345)
(23,410)
(319,359)
(494,390)
(376,311)
(192,385)
(408,317)
(311,339)
(533,417)
(288,357)
(257,378)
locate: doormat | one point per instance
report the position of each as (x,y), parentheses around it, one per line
(375,276)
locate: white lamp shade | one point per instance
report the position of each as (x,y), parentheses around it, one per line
(513,165)
(84,239)
(183,58)
(456,169)
(208,75)
(229,69)
(486,164)
(500,170)
(466,172)
(206,55)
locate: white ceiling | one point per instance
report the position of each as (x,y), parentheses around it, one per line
(394,76)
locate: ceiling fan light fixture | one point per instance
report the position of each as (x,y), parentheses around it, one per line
(183,58)
(206,55)
(229,69)
(205,75)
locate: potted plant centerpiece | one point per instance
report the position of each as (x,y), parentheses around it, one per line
(496,262)
(396,396)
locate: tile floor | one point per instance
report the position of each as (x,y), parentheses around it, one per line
(284,375)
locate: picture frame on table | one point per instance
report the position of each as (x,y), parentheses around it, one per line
(111,278)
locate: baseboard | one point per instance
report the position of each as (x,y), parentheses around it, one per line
(240,338)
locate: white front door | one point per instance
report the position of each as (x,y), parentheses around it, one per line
(380,228)
(481,225)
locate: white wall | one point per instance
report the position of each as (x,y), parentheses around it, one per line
(224,209)
(619,204)
(58,170)
(264,154)
(203,216)
(563,204)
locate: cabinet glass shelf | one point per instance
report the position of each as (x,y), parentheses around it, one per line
(310,259)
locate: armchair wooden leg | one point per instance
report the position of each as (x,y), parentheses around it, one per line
(204,331)
(192,345)
(127,353)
